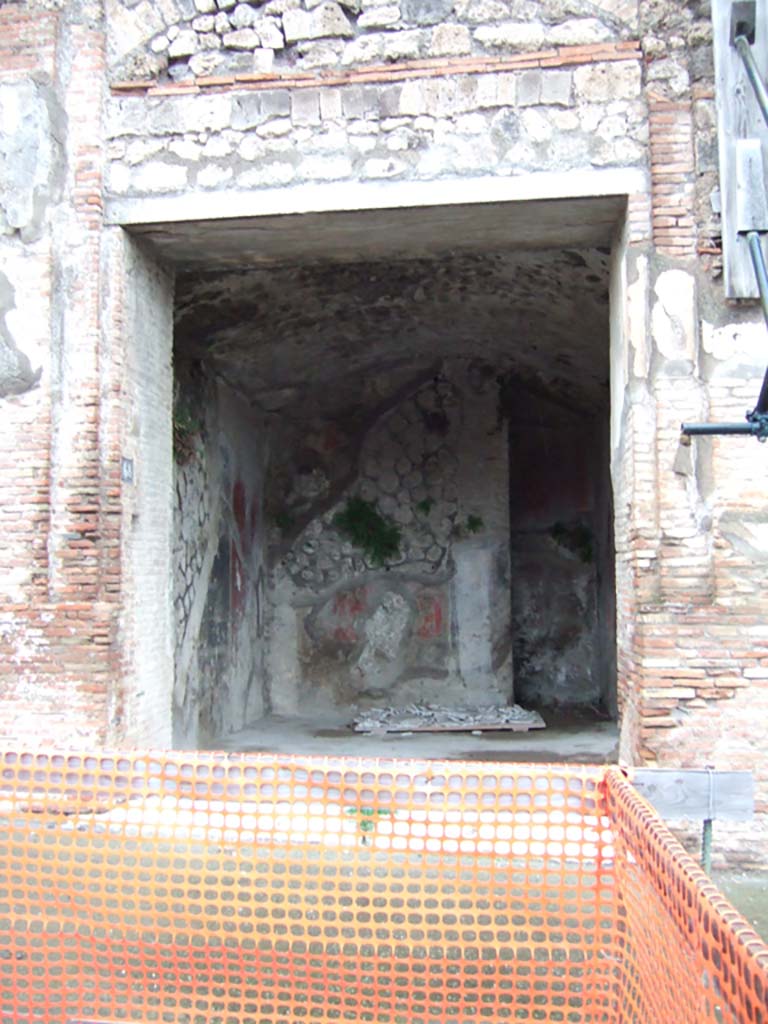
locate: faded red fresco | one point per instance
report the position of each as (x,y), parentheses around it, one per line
(430,622)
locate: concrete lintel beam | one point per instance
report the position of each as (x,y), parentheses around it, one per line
(197,206)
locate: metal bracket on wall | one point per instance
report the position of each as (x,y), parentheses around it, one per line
(748,209)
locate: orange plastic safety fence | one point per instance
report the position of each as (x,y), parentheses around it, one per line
(686,955)
(235,888)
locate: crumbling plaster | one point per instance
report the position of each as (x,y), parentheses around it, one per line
(219,560)
(393,380)
(432,621)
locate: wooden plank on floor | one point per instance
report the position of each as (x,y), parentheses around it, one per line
(490,727)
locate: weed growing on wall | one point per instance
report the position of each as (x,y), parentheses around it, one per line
(376,536)
(186,429)
(473,524)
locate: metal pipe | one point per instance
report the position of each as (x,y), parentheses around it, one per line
(699,429)
(758,262)
(706,846)
(761,274)
(761,93)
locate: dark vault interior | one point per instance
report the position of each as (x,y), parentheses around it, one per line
(458,391)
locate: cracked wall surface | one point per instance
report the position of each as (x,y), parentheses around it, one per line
(219,558)
(378,634)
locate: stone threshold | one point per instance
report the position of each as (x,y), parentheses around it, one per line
(562,56)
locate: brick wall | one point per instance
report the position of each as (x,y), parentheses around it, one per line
(60,529)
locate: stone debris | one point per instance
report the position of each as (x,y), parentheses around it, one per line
(436,718)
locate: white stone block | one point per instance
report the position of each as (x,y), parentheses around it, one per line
(323,54)
(212,176)
(556,87)
(330,104)
(242,39)
(326,20)
(364,50)
(270,34)
(599,83)
(536,126)
(184,45)
(305,106)
(263,60)
(379,17)
(519,35)
(450,41)
(205,63)
(160,177)
(276,127)
(480,12)
(529,88)
(403,45)
(185,149)
(243,16)
(579,32)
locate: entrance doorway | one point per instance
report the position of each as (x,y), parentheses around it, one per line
(434,381)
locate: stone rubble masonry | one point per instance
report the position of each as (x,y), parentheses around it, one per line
(561,56)
(174,41)
(421,119)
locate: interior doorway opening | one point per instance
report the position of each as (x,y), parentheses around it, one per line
(448,396)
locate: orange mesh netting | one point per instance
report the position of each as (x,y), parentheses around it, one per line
(237,888)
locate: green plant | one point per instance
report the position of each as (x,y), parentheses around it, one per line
(186,429)
(367,819)
(577,539)
(426,505)
(474,524)
(377,537)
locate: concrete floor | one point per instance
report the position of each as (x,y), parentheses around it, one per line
(748,892)
(567,738)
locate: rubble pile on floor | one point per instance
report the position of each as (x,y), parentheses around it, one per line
(436,718)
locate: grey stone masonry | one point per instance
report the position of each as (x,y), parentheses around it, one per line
(178,39)
(505,122)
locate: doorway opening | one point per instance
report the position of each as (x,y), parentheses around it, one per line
(392,476)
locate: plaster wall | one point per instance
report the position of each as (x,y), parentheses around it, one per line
(219,561)
(430,623)
(562,556)
(146,472)
(61,664)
